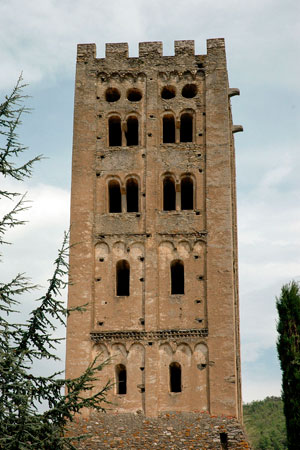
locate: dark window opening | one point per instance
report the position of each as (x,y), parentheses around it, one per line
(114,197)
(121,379)
(134,95)
(189,91)
(187,193)
(112,95)
(168,92)
(177,277)
(224,441)
(168,129)
(169,201)
(114,194)
(123,277)
(132,133)
(115,133)
(132,195)
(175,377)
(186,128)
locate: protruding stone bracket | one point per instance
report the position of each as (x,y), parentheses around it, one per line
(184,48)
(119,50)
(233,91)
(237,128)
(150,49)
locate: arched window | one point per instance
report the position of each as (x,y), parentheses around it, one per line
(115,133)
(175,377)
(186,127)
(177,277)
(114,197)
(121,379)
(123,278)
(168,129)
(132,133)
(187,193)
(132,195)
(169,200)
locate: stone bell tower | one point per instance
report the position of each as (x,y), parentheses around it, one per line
(153,217)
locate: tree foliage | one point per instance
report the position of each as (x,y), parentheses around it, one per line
(288,347)
(265,424)
(22,425)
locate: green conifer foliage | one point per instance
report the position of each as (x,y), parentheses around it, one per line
(22,425)
(288,347)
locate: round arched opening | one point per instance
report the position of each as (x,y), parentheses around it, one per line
(134,95)
(168,92)
(189,91)
(112,95)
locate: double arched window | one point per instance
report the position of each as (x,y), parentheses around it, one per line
(130,201)
(131,131)
(186,131)
(185,189)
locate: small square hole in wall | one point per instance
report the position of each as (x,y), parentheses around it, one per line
(101,259)
(196,256)
(199,320)
(200,277)
(141,258)
(150,343)
(100,324)
(142,321)
(97,174)
(141,279)
(142,389)
(197,213)
(137,215)
(102,156)
(98,279)
(142,368)
(197,301)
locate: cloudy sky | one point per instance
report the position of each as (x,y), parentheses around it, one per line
(262,37)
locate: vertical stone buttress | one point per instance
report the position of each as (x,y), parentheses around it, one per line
(152,330)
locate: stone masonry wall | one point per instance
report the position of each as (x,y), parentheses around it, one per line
(152,328)
(170,431)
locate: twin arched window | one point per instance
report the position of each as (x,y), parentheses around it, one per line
(175,378)
(186,128)
(115,196)
(115,131)
(186,193)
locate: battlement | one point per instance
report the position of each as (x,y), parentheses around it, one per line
(185,48)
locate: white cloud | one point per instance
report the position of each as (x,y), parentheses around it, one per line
(34,245)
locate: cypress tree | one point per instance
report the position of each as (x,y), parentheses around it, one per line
(22,424)
(288,347)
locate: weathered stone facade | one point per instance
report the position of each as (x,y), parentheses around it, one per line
(169,431)
(153,217)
